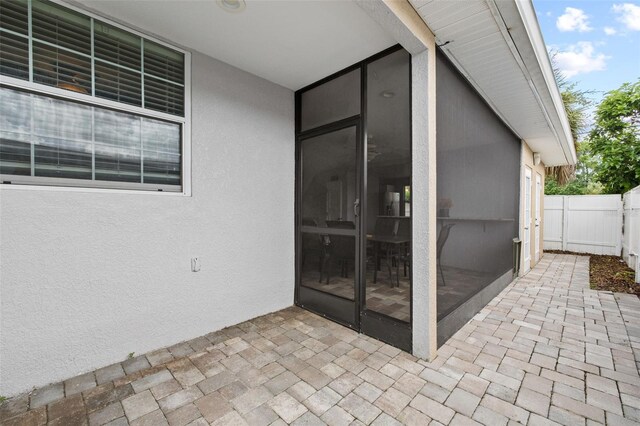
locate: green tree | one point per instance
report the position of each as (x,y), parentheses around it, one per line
(576,103)
(581,185)
(615,139)
(551,187)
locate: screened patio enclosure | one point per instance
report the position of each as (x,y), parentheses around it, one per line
(354,197)
(354,189)
(478,187)
(286,164)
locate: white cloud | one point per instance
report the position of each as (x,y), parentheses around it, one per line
(629,15)
(609,30)
(580,58)
(572,20)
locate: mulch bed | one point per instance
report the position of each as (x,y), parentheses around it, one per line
(609,273)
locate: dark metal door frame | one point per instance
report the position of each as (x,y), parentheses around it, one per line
(374,324)
(334,307)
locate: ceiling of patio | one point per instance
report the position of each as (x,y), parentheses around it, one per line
(295,43)
(291,43)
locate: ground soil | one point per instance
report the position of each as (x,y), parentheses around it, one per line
(608,273)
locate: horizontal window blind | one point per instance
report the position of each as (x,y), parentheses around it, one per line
(118,69)
(160,61)
(61,68)
(163,97)
(14,55)
(161,153)
(49,140)
(118,84)
(75,52)
(15,133)
(118,146)
(14,42)
(60,26)
(61,136)
(54,138)
(164,82)
(14,16)
(15,154)
(117,46)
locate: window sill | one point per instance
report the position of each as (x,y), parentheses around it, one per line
(51,188)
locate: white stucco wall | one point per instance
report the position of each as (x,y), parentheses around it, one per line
(88,277)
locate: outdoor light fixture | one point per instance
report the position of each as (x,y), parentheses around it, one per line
(536,158)
(232,6)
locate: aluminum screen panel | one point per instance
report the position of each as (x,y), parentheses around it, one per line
(478,163)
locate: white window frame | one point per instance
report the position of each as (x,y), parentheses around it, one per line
(56,184)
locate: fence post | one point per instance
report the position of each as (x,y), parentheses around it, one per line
(633,250)
(620,216)
(565,221)
(625,227)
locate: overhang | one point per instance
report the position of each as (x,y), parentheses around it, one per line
(497,45)
(290,43)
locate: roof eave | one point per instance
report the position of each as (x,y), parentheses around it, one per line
(498,47)
(554,107)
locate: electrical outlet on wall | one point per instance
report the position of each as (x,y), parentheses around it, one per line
(195,264)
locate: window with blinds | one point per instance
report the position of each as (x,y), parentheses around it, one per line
(14,43)
(116,130)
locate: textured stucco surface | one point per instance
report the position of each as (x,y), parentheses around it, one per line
(424,184)
(88,277)
(527,161)
(401,20)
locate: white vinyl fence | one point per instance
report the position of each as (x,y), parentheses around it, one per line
(631,237)
(583,223)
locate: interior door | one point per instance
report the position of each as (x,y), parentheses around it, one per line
(329,222)
(526,246)
(536,241)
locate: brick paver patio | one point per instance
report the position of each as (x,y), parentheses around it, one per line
(546,351)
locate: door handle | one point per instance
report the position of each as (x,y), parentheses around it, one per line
(356,207)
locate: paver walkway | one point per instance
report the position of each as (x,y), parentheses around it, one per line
(547,350)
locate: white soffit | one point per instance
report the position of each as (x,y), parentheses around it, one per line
(291,43)
(497,45)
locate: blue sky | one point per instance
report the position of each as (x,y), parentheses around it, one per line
(597,42)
